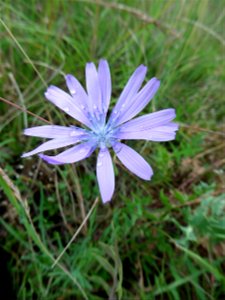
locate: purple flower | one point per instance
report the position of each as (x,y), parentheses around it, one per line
(90,108)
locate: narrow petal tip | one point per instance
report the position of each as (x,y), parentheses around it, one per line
(90,64)
(174,125)
(106,200)
(27,154)
(156,81)
(142,67)
(51,89)
(103,60)
(149,177)
(49,159)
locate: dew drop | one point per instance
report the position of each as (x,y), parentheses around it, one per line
(123,105)
(66,109)
(73,92)
(73,133)
(82,106)
(115,112)
(99,164)
(95,107)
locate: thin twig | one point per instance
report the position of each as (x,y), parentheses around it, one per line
(79,196)
(25,55)
(197,128)
(12,78)
(205,28)
(37,239)
(24,110)
(196,177)
(60,203)
(22,50)
(210,150)
(77,232)
(73,212)
(136,12)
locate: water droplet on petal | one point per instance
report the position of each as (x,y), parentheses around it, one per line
(99,164)
(95,107)
(82,106)
(73,133)
(73,92)
(66,109)
(123,105)
(115,112)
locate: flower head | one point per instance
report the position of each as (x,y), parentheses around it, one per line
(90,108)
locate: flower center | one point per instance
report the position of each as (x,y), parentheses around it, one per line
(103,137)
